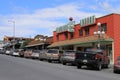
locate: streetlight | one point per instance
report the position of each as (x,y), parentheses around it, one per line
(13,33)
(98,33)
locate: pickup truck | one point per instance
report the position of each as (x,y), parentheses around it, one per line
(93,58)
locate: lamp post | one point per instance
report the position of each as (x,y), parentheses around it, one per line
(13,33)
(99,32)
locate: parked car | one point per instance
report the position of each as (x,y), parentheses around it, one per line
(116,68)
(92,58)
(43,55)
(35,54)
(7,52)
(2,51)
(68,56)
(54,55)
(21,53)
(28,53)
(15,52)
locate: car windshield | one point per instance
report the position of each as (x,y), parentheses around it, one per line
(52,51)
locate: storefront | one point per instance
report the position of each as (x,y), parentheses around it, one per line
(40,42)
(91,32)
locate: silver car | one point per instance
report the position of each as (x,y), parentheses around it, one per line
(54,55)
(35,54)
(68,57)
(15,53)
(43,55)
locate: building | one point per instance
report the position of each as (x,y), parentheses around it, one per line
(40,42)
(82,36)
(10,39)
(9,42)
(1,44)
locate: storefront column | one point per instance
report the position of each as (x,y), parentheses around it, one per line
(60,48)
(74,47)
(113,52)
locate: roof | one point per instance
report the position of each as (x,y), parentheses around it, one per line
(34,43)
(109,15)
(81,40)
(38,42)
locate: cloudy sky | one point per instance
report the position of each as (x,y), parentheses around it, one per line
(34,17)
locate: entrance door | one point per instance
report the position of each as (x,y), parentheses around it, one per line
(110,54)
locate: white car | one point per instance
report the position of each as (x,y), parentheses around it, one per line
(15,53)
(7,52)
(35,54)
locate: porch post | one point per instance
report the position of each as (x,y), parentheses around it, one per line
(60,48)
(75,47)
(113,52)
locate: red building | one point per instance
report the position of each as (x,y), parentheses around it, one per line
(81,36)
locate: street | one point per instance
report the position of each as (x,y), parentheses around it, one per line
(16,68)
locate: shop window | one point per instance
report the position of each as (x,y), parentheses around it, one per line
(87,30)
(104,27)
(80,32)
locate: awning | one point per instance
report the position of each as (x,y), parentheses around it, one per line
(34,45)
(81,40)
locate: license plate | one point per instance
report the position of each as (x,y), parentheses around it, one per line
(85,61)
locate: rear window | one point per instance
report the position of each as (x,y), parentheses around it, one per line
(69,51)
(36,51)
(119,58)
(94,52)
(52,51)
(91,52)
(16,51)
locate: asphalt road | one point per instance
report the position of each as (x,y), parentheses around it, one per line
(15,68)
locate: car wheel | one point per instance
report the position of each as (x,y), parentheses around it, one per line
(99,66)
(115,71)
(78,66)
(64,63)
(41,59)
(49,61)
(106,66)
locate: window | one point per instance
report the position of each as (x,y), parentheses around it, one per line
(104,27)
(80,32)
(71,35)
(87,31)
(66,35)
(57,38)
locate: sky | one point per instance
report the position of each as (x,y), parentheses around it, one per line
(34,17)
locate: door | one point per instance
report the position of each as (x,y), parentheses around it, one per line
(110,54)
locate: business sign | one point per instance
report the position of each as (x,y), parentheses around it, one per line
(69,27)
(87,21)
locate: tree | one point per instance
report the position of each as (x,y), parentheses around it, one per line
(25,43)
